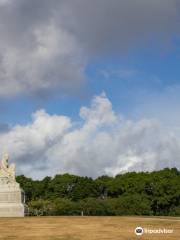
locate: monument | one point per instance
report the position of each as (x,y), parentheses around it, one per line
(12,198)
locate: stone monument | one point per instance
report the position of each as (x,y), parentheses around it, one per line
(12,199)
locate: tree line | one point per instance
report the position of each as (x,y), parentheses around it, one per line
(144,193)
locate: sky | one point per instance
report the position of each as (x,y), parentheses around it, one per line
(90,87)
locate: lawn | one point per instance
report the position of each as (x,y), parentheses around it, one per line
(85,228)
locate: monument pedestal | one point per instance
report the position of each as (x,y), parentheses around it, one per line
(11,200)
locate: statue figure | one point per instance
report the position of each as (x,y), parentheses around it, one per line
(6,170)
(12,199)
(4,162)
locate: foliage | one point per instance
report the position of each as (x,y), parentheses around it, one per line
(143,193)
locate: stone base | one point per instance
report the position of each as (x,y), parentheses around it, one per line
(11,210)
(11,200)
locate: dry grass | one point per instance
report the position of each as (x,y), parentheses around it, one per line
(85,228)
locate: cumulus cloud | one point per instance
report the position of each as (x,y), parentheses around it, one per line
(103,142)
(45,46)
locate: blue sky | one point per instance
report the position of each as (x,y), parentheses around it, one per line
(132,56)
(129,82)
(81,79)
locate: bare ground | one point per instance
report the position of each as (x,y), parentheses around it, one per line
(85,228)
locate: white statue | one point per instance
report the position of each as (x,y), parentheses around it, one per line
(11,195)
(6,170)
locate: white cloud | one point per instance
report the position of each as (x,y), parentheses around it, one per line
(103,143)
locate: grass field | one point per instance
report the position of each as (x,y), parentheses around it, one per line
(85,228)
